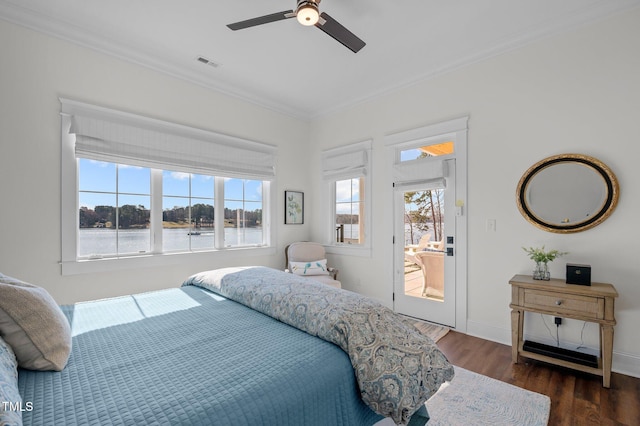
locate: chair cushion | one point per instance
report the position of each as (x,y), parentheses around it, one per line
(33,325)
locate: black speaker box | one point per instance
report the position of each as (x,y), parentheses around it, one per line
(561,353)
(578,274)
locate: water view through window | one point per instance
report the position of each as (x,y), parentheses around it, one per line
(349,210)
(115,210)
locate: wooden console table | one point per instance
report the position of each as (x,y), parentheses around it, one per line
(593,303)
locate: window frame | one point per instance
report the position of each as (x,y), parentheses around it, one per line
(329,199)
(71,264)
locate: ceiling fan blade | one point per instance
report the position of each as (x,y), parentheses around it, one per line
(262,20)
(340,33)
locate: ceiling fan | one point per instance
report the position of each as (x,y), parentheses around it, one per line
(307,13)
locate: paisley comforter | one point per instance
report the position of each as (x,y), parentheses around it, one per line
(396,367)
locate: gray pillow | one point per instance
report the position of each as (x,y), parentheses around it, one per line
(10,400)
(33,325)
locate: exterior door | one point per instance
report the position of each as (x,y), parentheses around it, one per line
(424,248)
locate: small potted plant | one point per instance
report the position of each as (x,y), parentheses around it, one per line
(542,258)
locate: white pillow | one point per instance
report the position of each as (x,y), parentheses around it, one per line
(315,267)
(33,325)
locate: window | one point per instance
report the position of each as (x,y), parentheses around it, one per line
(427,150)
(114,205)
(114,211)
(242,212)
(187,212)
(346,173)
(136,188)
(349,210)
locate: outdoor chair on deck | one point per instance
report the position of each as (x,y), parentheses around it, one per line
(432,265)
(425,244)
(309,260)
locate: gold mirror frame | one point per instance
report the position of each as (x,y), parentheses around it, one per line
(592,218)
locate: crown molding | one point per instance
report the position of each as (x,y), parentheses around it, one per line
(84,37)
(560,25)
(88,39)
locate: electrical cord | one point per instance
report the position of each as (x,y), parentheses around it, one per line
(556,337)
(581,345)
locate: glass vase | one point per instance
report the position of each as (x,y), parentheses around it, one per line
(541,272)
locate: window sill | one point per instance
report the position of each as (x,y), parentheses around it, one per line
(77,267)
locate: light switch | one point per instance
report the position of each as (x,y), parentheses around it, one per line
(491,225)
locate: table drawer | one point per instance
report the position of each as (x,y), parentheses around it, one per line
(569,304)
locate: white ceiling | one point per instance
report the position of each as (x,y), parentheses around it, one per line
(300,70)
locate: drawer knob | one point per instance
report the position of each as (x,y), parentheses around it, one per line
(558,302)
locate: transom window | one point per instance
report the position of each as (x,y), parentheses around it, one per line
(431,150)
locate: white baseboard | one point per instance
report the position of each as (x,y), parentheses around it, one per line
(627,364)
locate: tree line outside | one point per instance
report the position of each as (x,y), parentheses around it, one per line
(347,219)
(135,217)
(427,209)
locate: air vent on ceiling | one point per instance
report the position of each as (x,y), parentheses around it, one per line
(206,61)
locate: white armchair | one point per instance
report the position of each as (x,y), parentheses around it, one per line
(432,265)
(309,260)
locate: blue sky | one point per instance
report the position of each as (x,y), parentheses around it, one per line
(347,196)
(410,154)
(134,186)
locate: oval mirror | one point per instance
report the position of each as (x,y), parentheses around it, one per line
(567,193)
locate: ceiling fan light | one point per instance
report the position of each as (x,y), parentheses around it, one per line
(308,14)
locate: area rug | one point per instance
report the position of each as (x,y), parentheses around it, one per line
(474,399)
(436,332)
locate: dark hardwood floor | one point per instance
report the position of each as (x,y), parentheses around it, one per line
(576,398)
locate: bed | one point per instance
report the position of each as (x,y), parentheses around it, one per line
(236,346)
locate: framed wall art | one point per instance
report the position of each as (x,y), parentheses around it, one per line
(293,208)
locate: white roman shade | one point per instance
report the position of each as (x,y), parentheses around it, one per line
(108,135)
(420,170)
(346,162)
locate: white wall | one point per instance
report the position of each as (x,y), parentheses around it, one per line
(575,92)
(35,71)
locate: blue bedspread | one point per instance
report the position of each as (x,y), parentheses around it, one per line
(396,366)
(190,357)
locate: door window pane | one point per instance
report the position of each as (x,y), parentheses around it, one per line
(423,243)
